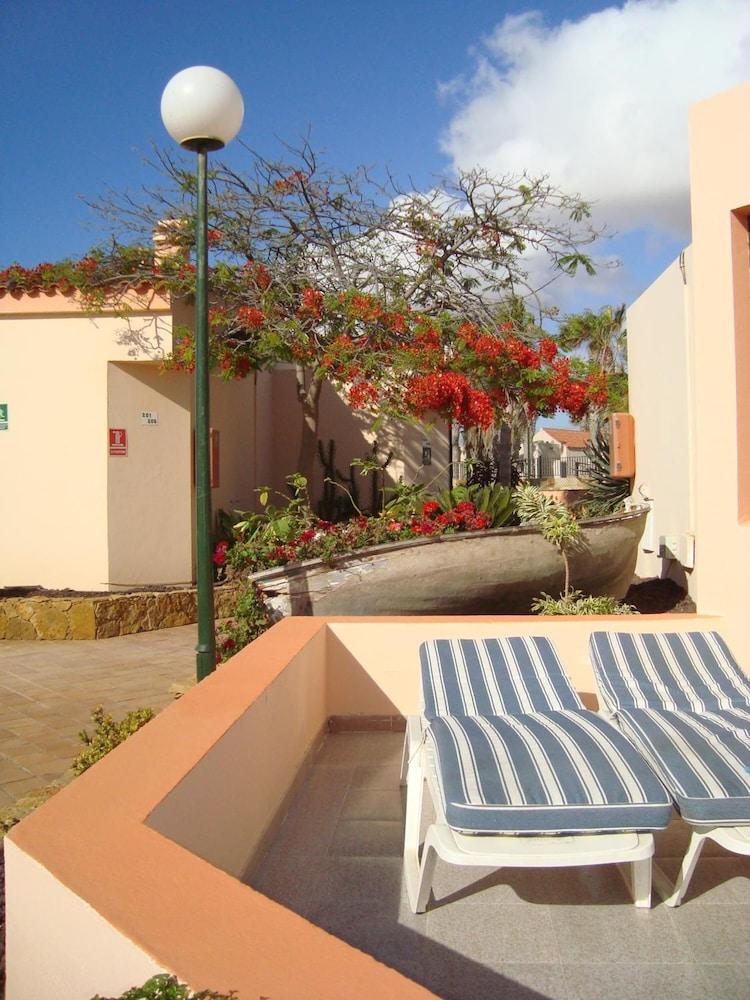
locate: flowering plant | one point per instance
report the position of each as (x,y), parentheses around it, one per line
(293,533)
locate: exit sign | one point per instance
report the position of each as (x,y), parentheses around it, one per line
(118,441)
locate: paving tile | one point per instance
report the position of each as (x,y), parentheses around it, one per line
(455,977)
(714,933)
(609,934)
(295,883)
(385,775)
(373,803)
(495,934)
(729,981)
(634,981)
(368,838)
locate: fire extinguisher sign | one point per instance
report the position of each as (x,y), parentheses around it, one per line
(118,441)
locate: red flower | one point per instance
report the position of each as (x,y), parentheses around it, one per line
(220,553)
(430,508)
(213,236)
(312,303)
(251,318)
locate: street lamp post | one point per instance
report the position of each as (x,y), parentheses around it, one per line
(202,109)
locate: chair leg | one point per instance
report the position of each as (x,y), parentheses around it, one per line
(404,759)
(641,886)
(426,873)
(687,868)
(414,792)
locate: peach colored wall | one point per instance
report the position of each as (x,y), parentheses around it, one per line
(53,375)
(708,335)
(233,414)
(353,436)
(32,929)
(373,670)
(661,400)
(212,812)
(149,490)
(720,185)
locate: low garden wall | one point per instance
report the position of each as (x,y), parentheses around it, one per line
(105,616)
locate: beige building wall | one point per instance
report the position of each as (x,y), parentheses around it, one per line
(720,196)
(661,399)
(54,455)
(689,351)
(149,490)
(353,436)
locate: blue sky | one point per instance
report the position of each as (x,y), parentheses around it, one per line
(419,85)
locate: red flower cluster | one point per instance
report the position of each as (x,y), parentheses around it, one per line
(365,307)
(252,319)
(362,394)
(213,236)
(450,395)
(312,303)
(464,516)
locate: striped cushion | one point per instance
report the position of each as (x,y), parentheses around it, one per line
(703,759)
(674,671)
(541,773)
(493,677)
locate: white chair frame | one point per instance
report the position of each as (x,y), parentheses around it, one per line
(733,838)
(501,850)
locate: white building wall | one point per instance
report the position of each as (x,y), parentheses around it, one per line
(661,401)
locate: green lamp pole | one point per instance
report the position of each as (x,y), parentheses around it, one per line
(202,109)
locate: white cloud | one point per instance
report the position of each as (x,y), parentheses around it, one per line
(600,104)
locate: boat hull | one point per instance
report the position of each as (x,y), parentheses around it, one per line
(500,571)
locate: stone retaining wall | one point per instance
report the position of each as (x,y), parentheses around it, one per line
(105,616)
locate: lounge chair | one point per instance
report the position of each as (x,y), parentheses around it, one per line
(520,773)
(684,702)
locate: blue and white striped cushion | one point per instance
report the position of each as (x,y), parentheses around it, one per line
(542,773)
(673,671)
(703,759)
(493,677)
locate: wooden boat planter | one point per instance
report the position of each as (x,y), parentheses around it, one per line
(499,571)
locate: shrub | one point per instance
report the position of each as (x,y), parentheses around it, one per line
(107,735)
(577,603)
(251,619)
(164,987)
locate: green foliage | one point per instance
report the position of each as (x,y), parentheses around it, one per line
(107,735)
(406,499)
(495,500)
(165,987)
(251,618)
(604,494)
(555,521)
(577,603)
(274,525)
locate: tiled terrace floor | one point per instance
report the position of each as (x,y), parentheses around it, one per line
(565,934)
(48,690)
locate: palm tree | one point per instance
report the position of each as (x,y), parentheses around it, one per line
(604,337)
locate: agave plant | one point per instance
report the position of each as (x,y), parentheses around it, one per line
(605,494)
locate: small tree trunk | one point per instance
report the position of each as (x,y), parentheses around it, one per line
(308,394)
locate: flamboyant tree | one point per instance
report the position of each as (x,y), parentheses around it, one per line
(413,303)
